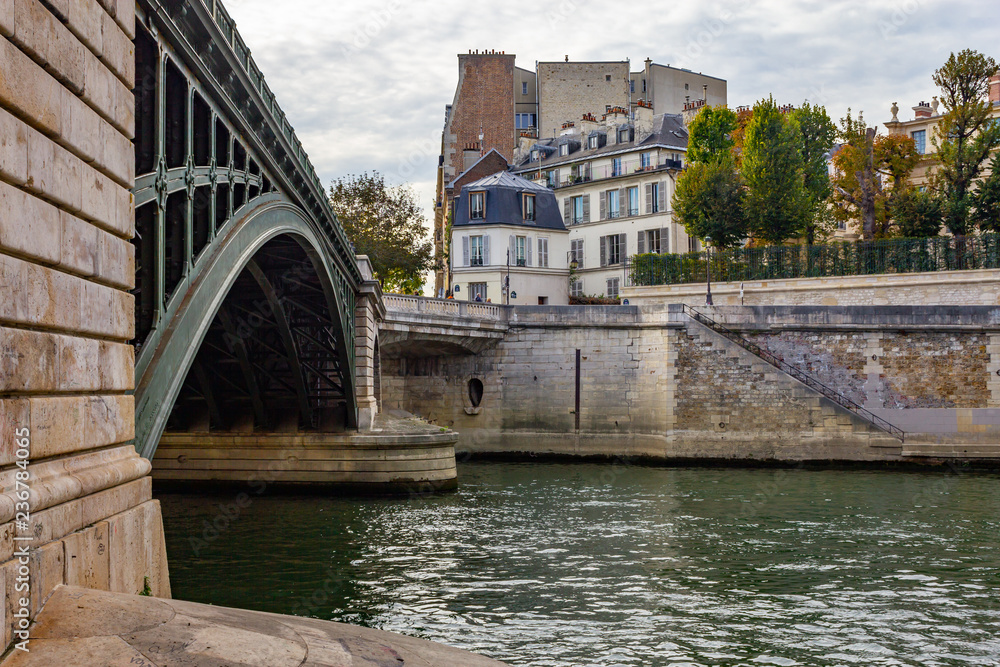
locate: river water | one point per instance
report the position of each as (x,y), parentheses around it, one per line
(585,564)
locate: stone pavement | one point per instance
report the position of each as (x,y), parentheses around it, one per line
(81,627)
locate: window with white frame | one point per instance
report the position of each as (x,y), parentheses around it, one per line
(613,203)
(920,139)
(521,250)
(613,286)
(576,252)
(543,253)
(593,142)
(528,206)
(653,240)
(477,291)
(564,149)
(524,87)
(576,287)
(577,204)
(645,159)
(524,121)
(477,206)
(616,166)
(654,191)
(613,250)
(632,195)
(476,254)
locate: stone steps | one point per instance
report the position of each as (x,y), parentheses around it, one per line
(952,451)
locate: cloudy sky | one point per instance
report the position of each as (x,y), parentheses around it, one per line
(365,83)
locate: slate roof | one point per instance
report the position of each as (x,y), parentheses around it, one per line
(503,203)
(668,132)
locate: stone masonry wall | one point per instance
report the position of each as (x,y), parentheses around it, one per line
(66,314)
(567,90)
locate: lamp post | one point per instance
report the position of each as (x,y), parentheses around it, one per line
(708,271)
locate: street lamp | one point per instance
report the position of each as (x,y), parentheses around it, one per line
(708,271)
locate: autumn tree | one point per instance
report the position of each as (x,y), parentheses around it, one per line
(386,223)
(871,171)
(775,203)
(965,134)
(817,134)
(710,133)
(708,201)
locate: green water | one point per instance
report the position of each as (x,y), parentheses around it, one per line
(551,564)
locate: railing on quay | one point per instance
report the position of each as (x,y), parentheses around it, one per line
(403,303)
(883,256)
(796,373)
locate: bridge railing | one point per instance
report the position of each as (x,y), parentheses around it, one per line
(402,303)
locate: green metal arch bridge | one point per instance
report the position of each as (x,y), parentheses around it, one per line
(245,283)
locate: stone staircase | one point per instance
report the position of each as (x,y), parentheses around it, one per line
(826,416)
(951,451)
(831,409)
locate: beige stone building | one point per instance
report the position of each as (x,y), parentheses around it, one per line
(923,125)
(614,179)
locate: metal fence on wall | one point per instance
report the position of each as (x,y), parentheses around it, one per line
(941,253)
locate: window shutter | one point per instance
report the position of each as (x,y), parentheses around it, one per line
(567,204)
(604,205)
(663,196)
(465,251)
(527,250)
(664,240)
(512,250)
(609,290)
(622,247)
(642,243)
(486,249)
(604,251)
(649,197)
(622,202)
(586,208)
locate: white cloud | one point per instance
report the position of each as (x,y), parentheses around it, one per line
(365,83)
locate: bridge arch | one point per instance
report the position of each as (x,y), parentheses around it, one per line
(168,355)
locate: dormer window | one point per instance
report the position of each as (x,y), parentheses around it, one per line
(528,206)
(564,149)
(534,156)
(477,206)
(623,135)
(592,142)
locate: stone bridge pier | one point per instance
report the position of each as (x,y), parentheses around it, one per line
(73,491)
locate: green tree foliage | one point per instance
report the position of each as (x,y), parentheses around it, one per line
(776,203)
(708,201)
(817,136)
(710,133)
(965,134)
(386,223)
(918,214)
(987,199)
(870,171)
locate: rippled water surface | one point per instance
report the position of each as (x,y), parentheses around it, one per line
(551,564)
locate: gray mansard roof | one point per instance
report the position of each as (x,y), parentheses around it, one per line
(503,203)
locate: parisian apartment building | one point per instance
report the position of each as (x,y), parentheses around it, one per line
(500,110)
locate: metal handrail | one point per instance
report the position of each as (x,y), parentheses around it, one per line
(796,373)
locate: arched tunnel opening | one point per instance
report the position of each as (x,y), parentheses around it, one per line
(269,360)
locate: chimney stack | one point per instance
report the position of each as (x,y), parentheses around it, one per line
(922,110)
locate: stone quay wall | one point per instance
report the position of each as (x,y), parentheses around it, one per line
(66,314)
(948,288)
(655,383)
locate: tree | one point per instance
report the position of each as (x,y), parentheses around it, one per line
(870,170)
(986,200)
(817,134)
(708,201)
(917,214)
(710,133)
(385,223)
(965,134)
(776,202)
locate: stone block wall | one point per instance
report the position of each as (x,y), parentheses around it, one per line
(567,90)
(66,314)
(947,288)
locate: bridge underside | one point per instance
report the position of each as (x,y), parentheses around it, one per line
(269,359)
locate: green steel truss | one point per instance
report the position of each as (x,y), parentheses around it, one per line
(245,282)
